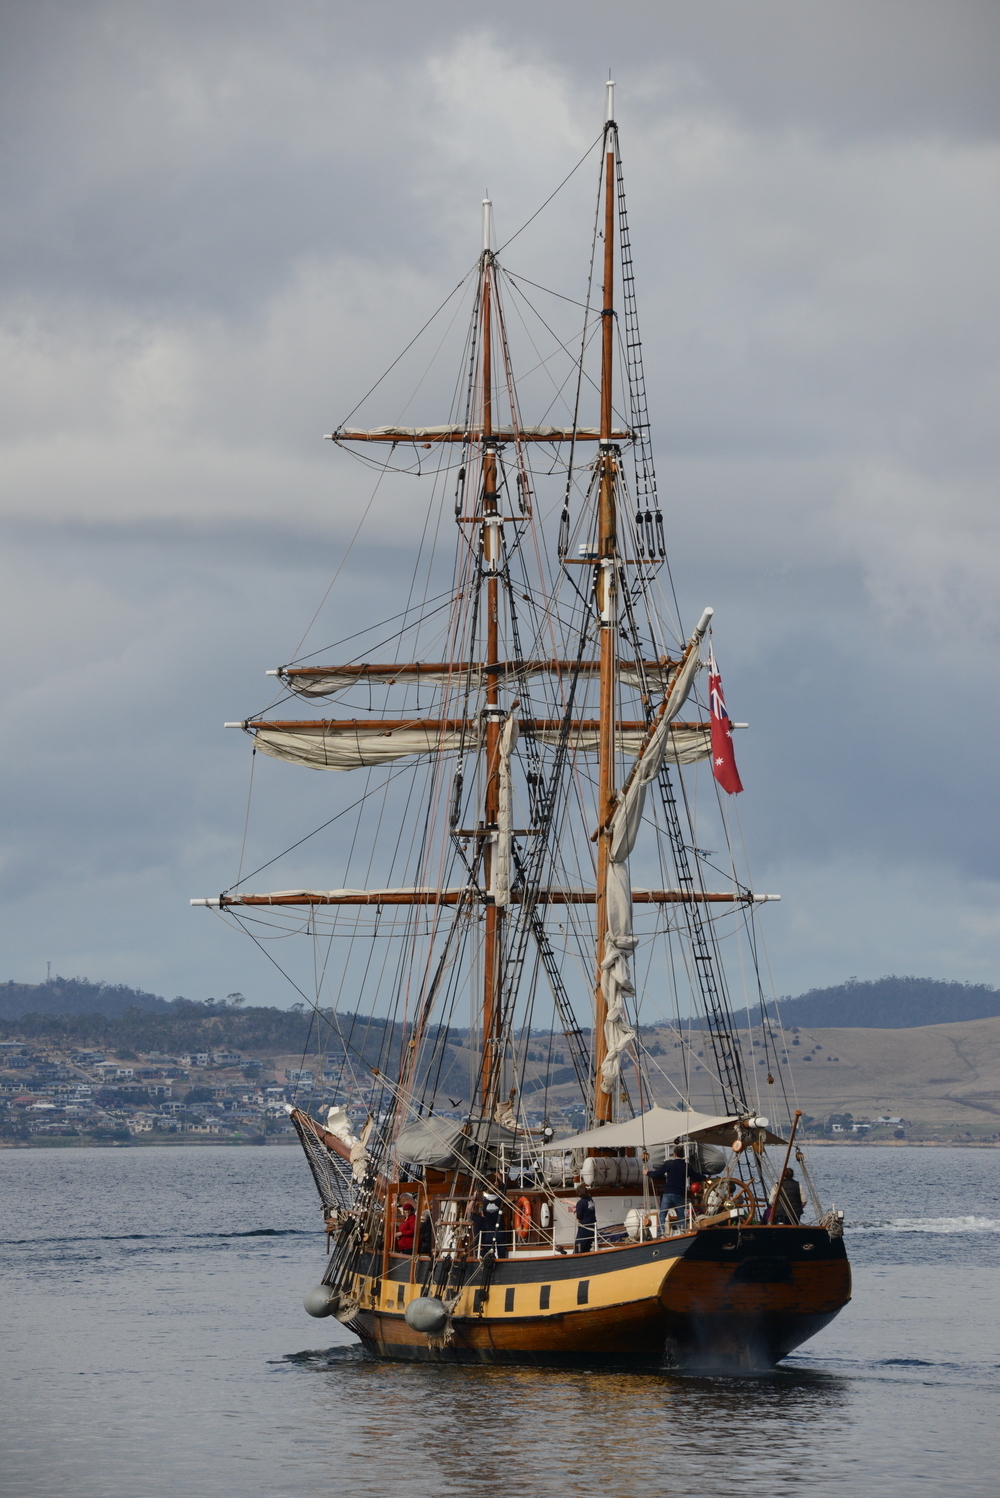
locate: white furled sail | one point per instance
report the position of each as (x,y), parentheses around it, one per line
(686,745)
(348,747)
(353,746)
(626,821)
(326,681)
(505,815)
(616,978)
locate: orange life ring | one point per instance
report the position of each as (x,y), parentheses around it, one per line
(522,1217)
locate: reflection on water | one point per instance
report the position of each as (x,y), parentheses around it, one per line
(156,1346)
(548,1432)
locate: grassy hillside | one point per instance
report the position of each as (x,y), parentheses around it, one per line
(943,1078)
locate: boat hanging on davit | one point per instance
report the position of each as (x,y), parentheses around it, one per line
(537,730)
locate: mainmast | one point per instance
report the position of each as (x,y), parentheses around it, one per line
(491,562)
(607,602)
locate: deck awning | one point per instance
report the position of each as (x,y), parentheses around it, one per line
(658,1126)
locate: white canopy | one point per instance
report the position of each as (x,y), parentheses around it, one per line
(658,1126)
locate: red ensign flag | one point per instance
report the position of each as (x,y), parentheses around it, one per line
(723,759)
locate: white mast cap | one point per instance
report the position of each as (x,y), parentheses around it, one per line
(487,222)
(610,101)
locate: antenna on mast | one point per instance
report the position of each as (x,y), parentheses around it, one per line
(487,222)
(610,115)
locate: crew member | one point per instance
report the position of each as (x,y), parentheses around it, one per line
(788,1206)
(489,1226)
(586,1221)
(673,1177)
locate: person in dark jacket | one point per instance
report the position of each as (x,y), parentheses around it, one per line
(789,1206)
(672,1178)
(425,1241)
(586,1221)
(489,1227)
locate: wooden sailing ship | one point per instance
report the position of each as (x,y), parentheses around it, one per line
(555,749)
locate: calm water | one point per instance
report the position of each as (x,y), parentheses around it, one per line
(156,1348)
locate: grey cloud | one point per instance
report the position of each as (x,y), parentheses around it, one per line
(223,222)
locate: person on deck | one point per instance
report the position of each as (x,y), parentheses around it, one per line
(788,1206)
(586,1221)
(673,1177)
(406,1229)
(489,1227)
(425,1242)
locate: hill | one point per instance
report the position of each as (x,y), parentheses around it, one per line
(74,996)
(883,1004)
(944,1079)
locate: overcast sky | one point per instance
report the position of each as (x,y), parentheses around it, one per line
(222,220)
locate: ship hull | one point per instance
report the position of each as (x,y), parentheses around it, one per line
(712,1298)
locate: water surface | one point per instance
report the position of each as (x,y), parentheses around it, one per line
(156,1347)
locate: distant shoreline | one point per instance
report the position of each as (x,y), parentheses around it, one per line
(173,1142)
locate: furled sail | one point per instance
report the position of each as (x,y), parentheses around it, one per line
(348,746)
(459,433)
(458,894)
(619,943)
(461,676)
(353,744)
(505,815)
(686,744)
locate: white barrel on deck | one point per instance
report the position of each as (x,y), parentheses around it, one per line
(640,1224)
(610,1170)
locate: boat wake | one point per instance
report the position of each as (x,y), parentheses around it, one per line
(929,1225)
(326,1357)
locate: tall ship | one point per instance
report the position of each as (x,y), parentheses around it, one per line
(538,1134)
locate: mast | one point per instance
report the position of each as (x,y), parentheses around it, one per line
(607,603)
(490,561)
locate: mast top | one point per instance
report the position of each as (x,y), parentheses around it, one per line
(487,222)
(610,107)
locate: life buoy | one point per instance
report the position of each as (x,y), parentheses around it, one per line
(522,1217)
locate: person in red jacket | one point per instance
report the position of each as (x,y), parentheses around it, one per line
(406,1229)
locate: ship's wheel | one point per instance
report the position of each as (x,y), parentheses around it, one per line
(727,1193)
